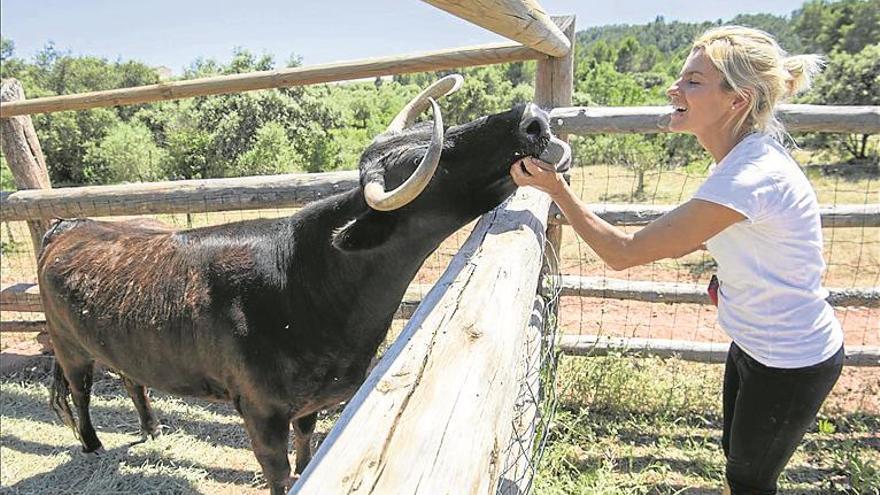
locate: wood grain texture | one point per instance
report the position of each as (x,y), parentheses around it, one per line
(454,366)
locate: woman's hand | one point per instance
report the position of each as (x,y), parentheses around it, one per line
(528,172)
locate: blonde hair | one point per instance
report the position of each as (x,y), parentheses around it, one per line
(755,67)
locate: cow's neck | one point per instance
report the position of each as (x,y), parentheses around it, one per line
(362,289)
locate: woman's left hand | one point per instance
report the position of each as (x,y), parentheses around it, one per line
(528,172)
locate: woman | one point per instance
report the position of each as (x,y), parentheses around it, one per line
(759,218)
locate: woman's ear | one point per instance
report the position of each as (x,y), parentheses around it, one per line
(739,101)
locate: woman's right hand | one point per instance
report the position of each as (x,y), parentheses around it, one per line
(526,172)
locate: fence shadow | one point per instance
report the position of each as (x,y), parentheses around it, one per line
(105,473)
(82,470)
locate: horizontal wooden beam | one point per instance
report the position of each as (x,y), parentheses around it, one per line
(287,191)
(25,297)
(183,196)
(797,118)
(676,292)
(488,54)
(455,365)
(837,216)
(519,20)
(19,326)
(702,352)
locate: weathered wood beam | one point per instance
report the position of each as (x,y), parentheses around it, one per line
(797,118)
(676,292)
(488,54)
(19,326)
(837,216)
(519,20)
(23,297)
(288,191)
(554,85)
(454,366)
(184,196)
(702,352)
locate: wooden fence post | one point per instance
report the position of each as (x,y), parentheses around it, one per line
(554,81)
(23,153)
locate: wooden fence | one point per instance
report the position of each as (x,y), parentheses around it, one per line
(460,325)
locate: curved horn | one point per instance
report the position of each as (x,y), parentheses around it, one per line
(374,191)
(445,86)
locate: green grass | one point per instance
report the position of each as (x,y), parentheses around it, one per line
(623,426)
(653,426)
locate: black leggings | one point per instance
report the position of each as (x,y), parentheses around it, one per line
(766,413)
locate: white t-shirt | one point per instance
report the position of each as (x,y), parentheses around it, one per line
(771,300)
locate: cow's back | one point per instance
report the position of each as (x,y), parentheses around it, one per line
(129,295)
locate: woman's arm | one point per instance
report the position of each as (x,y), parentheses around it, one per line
(678,232)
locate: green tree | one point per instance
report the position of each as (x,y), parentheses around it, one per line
(845,25)
(271,153)
(849,79)
(126,154)
(65,137)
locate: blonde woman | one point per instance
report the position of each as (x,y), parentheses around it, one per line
(758,216)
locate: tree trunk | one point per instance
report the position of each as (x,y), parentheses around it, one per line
(23,153)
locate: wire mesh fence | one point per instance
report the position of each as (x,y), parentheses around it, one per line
(631,422)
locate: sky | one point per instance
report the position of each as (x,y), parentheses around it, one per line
(175,33)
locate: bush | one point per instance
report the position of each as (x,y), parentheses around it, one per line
(271,153)
(126,154)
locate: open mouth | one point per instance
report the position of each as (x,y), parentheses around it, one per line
(556,156)
(679,110)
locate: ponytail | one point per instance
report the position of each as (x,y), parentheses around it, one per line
(801,70)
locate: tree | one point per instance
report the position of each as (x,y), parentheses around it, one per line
(126,154)
(850,79)
(627,55)
(846,25)
(271,153)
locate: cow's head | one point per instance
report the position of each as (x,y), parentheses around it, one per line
(431,173)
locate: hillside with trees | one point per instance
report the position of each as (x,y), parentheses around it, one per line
(321,128)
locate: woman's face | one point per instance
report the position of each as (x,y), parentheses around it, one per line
(701,106)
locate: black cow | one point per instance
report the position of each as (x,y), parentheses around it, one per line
(283,316)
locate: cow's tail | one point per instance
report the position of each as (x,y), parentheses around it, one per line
(59,395)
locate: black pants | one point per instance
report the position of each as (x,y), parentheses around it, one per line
(766,413)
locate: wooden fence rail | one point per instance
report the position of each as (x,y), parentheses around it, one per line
(837,216)
(488,54)
(797,118)
(286,191)
(25,297)
(186,196)
(702,352)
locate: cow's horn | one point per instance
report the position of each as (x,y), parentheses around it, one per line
(374,191)
(419,104)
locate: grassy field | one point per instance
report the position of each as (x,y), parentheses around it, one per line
(624,425)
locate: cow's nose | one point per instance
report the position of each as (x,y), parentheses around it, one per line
(534,124)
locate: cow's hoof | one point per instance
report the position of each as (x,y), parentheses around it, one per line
(95,453)
(153,434)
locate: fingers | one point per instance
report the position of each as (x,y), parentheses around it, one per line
(520,174)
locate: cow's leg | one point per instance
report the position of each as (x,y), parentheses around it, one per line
(77,371)
(269,429)
(302,440)
(138,394)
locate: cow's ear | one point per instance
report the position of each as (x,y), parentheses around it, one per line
(370,230)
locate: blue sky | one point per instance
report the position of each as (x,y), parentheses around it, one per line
(174,33)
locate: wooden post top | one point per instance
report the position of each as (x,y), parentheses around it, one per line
(524,21)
